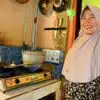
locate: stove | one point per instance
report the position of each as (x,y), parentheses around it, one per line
(11,78)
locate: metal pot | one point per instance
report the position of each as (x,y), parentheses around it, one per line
(35,58)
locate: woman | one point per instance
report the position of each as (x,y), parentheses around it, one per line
(82,63)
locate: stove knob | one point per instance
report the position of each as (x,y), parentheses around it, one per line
(45,75)
(17,81)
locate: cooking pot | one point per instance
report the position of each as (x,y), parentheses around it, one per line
(35,58)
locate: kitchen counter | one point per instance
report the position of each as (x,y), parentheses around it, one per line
(34,91)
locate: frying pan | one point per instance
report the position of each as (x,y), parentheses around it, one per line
(22,1)
(46,7)
(61,5)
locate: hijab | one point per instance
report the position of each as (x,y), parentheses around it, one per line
(82,60)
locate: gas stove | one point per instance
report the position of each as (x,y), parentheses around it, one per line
(11,78)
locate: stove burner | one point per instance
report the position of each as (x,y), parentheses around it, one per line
(11,72)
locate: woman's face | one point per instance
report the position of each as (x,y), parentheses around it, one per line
(88,22)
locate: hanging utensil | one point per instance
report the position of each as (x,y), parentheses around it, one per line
(22,1)
(34,26)
(25,47)
(46,7)
(61,5)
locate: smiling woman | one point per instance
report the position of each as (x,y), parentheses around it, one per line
(88,22)
(82,63)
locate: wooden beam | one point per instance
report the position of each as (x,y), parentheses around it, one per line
(71,27)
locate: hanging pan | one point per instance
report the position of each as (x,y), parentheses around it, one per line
(61,5)
(46,7)
(22,1)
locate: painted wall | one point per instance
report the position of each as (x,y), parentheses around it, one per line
(49,39)
(12,15)
(91,2)
(12,22)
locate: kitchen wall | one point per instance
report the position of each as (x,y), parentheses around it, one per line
(45,38)
(50,38)
(12,17)
(12,22)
